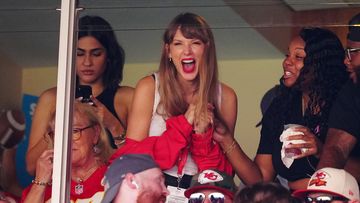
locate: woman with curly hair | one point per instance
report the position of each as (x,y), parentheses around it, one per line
(315,72)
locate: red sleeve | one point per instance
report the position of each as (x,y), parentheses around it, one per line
(11,197)
(24,193)
(27,190)
(207,153)
(165,149)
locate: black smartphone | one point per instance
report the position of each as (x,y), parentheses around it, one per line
(85,92)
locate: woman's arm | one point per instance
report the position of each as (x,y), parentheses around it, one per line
(205,152)
(264,163)
(141,109)
(44,111)
(263,158)
(122,103)
(36,194)
(228,109)
(244,167)
(42,179)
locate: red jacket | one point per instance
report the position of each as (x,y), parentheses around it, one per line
(173,145)
(207,153)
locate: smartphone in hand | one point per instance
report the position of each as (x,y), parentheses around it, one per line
(85,92)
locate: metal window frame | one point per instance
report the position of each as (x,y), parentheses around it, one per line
(64,103)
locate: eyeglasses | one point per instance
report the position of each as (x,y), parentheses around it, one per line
(325,199)
(350,51)
(215,197)
(77,132)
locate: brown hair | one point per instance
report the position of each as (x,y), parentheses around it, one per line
(264,192)
(171,99)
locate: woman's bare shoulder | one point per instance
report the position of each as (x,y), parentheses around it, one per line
(48,96)
(228,92)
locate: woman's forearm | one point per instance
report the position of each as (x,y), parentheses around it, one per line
(36,194)
(33,154)
(243,166)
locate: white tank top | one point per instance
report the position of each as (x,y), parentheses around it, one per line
(158,126)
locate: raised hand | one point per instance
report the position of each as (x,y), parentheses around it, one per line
(190,114)
(107,118)
(205,120)
(44,166)
(311,146)
(221,134)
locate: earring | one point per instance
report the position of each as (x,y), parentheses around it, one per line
(96,149)
(170,59)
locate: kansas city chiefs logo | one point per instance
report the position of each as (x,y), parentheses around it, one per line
(319,179)
(209,176)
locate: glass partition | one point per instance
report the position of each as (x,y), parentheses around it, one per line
(29,35)
(251,39)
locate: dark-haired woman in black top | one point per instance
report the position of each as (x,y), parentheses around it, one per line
(99,64)
(314,71)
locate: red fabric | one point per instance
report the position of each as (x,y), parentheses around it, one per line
(207,153)
(172,147)
(11,196)
(164,149)
(93,190)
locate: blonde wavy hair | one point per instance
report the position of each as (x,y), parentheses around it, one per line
(192,26)
(104,149)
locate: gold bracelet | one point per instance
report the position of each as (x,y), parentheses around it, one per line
(230,148)
(37,182)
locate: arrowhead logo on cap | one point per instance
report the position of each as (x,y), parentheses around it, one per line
(318,180)
(209,176)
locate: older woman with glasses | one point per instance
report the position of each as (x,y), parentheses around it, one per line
(90,152)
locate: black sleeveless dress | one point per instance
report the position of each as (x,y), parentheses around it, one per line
(107,98)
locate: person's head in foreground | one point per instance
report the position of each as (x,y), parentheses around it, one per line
(134,178)
(330,185)
(211,186)
(352,51)
(264,192)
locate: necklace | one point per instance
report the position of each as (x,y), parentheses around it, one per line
(79,187)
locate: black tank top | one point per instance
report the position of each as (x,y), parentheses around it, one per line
(107,98)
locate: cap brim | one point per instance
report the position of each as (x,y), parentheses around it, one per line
(111,193)
(195,189)
(303,193)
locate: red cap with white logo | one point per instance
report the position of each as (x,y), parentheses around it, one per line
(212,179)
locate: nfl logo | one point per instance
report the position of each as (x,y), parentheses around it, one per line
(79,189)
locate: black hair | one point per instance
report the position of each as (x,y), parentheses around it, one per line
(264,192)
(354,29)
(322,76)
(324,63)
(101,30)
